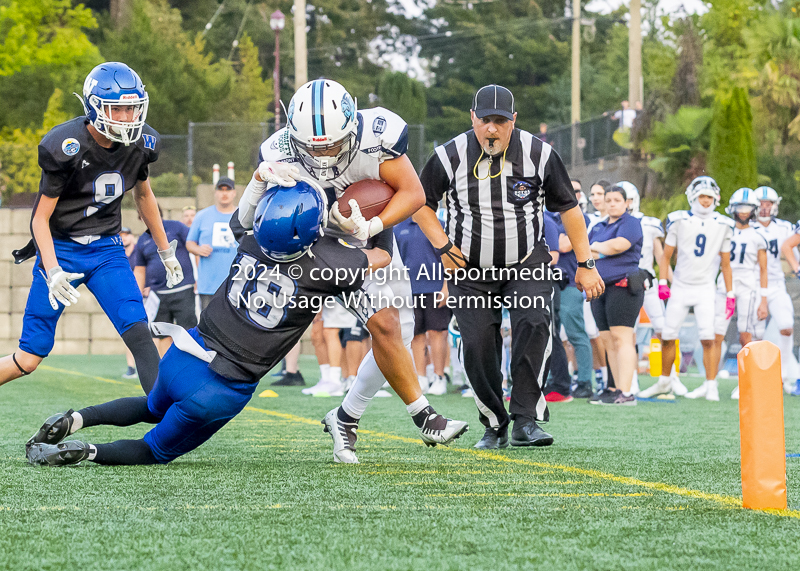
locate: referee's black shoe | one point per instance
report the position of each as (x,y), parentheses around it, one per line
(527,433)
(493,439)
(290,380)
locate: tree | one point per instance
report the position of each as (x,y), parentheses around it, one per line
(732,153)
(404,96)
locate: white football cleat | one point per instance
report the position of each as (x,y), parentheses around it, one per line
(315,388)
(735,393)
(678,388)
(344,437)
(712,391)
(440,430)
(438,386)
(699,392)
(326,388)
(661,386)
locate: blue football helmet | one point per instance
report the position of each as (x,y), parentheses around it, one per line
(288,221)
(114,84)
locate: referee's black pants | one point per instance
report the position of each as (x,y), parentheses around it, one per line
(479,317)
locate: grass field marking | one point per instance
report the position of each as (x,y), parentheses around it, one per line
(79,374)
(659,486)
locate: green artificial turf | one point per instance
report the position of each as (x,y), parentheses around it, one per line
(265,494)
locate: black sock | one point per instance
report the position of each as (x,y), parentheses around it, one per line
(611,383)
(121,412)
(124,452)
(344,417)
(439,423)
(144,351)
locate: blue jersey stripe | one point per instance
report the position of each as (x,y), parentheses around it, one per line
(317,108)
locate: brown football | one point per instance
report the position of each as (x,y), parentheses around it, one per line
(372,197)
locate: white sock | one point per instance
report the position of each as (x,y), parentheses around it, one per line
(604,373)
(77,422)
(664,380)
(711,382)
(673,372)
(369,381)
(429,370)
(417,406)
(785,343)
(92,452)
(323,372)
(423,381)
(335,374)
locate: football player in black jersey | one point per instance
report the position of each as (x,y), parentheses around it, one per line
(87,164)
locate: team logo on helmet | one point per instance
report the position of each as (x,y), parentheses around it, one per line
(290,115)
(70,147)
(379,125)
(347,109)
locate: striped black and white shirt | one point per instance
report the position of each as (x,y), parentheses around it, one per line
(497,222)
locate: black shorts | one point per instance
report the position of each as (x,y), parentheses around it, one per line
(428,317)
(617,307)
(356,333)
(178,308)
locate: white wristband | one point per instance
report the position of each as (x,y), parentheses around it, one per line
(731,294)
(663,282)
(763,291)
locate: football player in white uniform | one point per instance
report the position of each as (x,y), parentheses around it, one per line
(748,264)
(336,145)
(652,249)
(781,309)
(699,235)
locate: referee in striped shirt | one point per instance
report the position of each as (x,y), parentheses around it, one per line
(496,180)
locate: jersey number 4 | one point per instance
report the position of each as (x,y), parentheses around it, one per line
(107,188)
(773,248)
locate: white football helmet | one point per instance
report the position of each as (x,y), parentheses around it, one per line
(632,193)
(767,194)
(323,128)
(744,202)
(703,186)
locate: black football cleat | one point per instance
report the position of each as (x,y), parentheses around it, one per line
(290,380)
(493,439)
(54,430)
(527,433)
(64,454)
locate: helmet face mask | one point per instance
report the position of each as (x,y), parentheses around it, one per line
(770,200)
(703,186)
(108,89)
(322,122)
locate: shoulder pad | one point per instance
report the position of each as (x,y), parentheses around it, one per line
(673,217)
(150,141)
(276,147)
(725,220)
(383,131)
(784,223)
(62,144)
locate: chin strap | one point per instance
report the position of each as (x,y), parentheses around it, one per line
(21,370)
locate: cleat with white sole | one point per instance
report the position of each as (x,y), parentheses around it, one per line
(438,386)
(678,387)
(712,391)
(661,386)
(325,389)
(699,392)
(735,393)
(63,454)
(344,437)
(54,430)
(440,430)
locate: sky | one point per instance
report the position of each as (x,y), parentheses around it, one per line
(664,6)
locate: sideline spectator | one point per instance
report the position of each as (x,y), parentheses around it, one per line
(176,305)
(572,308)
(210,237)
(616,243)
(129,243)
(187,215)
(431,319)
(543,133)
(625,116)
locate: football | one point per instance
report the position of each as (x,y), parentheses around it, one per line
(372,197)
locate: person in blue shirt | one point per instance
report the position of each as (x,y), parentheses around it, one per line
(176,305)
(616,244)
(431,316)
(210,237)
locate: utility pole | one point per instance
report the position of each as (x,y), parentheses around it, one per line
(575,116)
(635,81)
(300,48)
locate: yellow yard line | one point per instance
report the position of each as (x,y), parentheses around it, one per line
(728,501)
(79,374)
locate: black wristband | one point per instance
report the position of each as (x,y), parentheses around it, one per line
(444,249)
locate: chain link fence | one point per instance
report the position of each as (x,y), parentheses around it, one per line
(587,141)
(193,156)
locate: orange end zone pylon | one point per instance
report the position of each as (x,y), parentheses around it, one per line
(761,427)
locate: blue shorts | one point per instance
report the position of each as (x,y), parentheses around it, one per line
(192,401)
(107,274)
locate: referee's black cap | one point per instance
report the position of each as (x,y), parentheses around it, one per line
(493,100)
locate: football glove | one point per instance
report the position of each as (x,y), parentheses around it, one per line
(282,174)
(730,305)
(663,290)
(60,288)
(356,225)
(171,264)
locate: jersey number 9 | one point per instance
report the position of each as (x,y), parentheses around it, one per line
(107,188)
(701,245)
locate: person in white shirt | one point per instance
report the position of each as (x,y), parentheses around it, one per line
(625,116)
(748,264)
(781,309)
(701,236)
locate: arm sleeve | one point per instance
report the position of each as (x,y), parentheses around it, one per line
(54,179)
(383,240)
(558,193)
(434,181)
